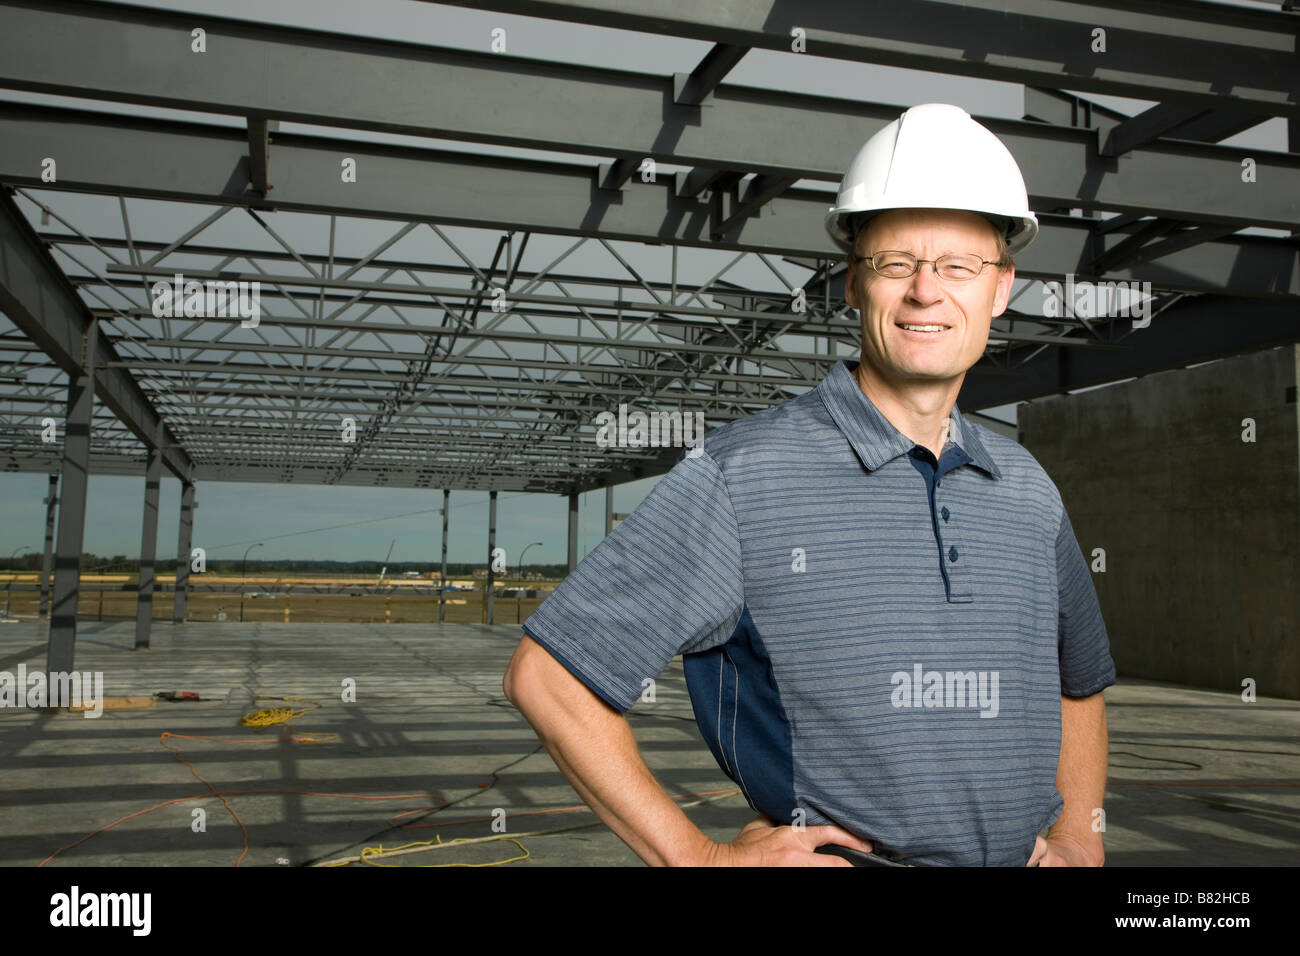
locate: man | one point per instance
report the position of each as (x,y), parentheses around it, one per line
(889,633)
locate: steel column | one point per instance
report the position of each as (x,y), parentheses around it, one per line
(442,591)
(184,540)
(492,543)
(62,644)
(47,565)
(573,530)
(148,549)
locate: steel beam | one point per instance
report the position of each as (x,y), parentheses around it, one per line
(690,185)
(660,463)
(259,152)
(624,345)
(1156,49)
(629,349)
(512,384)
(261,398)
(1128,250)
(633,306)
(38,299)
(615,175)
(696,88)
(1182,239)
(521,276)
(557,478)
(340,81)
(198,163)
(1149,126)
(1065,109)
(760,191)
(1194,330)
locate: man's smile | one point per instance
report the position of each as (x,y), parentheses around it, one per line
(921,329)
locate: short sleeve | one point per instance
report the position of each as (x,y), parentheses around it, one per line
(666,581)
(1083,647)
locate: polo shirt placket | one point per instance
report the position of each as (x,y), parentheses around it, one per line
(955,576)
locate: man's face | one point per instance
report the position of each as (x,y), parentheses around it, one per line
(965,309)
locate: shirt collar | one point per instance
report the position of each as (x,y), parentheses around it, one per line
(874,437)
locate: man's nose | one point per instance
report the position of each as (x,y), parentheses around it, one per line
(926,285)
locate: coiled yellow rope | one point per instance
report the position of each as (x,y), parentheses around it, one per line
(270,716)
(278,715)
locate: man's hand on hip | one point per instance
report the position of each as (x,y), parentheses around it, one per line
(762,843)
(1062,850)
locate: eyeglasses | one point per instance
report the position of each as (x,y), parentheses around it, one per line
(956,267)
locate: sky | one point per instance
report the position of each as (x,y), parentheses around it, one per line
(345,523)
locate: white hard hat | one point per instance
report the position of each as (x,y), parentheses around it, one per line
(934,156)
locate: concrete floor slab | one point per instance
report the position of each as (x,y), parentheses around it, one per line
(437,753)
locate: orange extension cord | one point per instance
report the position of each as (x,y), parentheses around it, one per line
(306,738)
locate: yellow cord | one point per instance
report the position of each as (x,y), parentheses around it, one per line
(371,853)
(278,715)
(271,716)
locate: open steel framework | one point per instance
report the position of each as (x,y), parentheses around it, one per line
(465,372)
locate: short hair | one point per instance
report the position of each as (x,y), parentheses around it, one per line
(857,223)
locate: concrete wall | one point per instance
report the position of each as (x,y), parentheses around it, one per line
(1201,530)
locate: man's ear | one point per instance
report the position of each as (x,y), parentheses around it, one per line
(851,285)
(1002,297)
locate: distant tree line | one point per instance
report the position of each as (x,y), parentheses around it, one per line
(91,563)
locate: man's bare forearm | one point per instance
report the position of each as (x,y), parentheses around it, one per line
(1081,772)
(593,745)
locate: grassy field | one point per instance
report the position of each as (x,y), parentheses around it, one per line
(103,596)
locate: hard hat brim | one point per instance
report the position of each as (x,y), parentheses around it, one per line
(844,225)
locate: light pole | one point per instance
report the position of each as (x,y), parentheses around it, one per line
(242,575)
(521,575)
(9,584)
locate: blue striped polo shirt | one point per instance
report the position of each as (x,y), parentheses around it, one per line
(870,637)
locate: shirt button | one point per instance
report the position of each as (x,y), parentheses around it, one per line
(952,554)
(945,512)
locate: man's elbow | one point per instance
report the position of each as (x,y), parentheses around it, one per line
(510,681)
(521,680)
